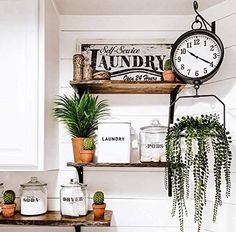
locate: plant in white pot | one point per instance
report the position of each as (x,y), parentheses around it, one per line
(80,115)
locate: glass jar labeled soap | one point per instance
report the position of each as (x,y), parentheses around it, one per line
(33,199)
(74,199)
(152,142)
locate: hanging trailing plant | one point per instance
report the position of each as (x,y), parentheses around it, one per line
(187,147)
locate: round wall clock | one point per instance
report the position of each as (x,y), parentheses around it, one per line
(196,56)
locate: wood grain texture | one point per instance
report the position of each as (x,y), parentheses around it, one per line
(54,218)
(145,164)
(125,87)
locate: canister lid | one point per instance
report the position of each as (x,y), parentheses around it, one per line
(113,120)
(155,126)
(33,182)
(74,183)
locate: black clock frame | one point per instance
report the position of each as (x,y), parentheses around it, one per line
(196,80)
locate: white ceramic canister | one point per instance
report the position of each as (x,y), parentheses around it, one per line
(114,141)
(74,199)
(33,199)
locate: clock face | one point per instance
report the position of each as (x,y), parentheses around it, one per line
(197,55)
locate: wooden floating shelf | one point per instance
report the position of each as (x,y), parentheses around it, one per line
(126,87)
(54,218)
(146,164)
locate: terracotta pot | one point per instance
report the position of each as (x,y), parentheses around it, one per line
(77,144)
(87,156)
(8,210)
(169,75)
(98,211)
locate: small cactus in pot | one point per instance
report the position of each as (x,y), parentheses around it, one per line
(98,205)
(168,74)
(89,144)
(8,208)
(87,153)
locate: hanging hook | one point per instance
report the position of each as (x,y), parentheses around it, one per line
(199,20)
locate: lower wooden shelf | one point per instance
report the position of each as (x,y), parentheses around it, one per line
(54,218)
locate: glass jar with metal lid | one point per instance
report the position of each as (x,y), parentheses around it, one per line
(33,197)
(74,199)
(152,142)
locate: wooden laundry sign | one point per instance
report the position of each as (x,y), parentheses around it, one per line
(133,62)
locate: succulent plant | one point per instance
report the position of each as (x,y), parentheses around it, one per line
(167,65)
(9,197)
(98,198)
(88,144)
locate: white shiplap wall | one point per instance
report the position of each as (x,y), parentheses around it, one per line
(137,196)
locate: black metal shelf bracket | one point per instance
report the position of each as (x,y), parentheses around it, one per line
(80,172)
(77,228)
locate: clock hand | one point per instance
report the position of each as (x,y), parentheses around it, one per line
(204,60)
(192,54)
(199,57)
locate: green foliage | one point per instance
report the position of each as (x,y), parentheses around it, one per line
(89,144)
(9,197)
(188,146)
(98,198)
(167,65)
(80,115)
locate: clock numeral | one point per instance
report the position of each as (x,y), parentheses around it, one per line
(211,64)
(196,73)
(189,45)
(215,55)
(188,70)
(197,42)
(179,58)
(183,51)
(182,66)
(205,70)
(205,43)
(212,48)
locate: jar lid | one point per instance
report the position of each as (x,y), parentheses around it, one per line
(155,126)
(74,183)
(33,182)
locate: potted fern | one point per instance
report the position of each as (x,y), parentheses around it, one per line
(87,153)
(188,144)
(168,74)
(80,115)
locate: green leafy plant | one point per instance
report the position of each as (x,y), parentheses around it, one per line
(9,197)
(80,115)
(89,144)
(188,146)
(167,65)
(98,198)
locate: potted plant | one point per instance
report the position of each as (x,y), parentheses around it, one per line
(98,205)
(168,74)
(187,148)
(8,208)
(80,115)
(87,153)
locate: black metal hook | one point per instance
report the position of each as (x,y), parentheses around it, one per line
(199,19)
(200,96)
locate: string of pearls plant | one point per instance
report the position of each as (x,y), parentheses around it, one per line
(188,146)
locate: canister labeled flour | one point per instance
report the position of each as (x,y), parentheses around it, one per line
(33,198)
(74,199)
